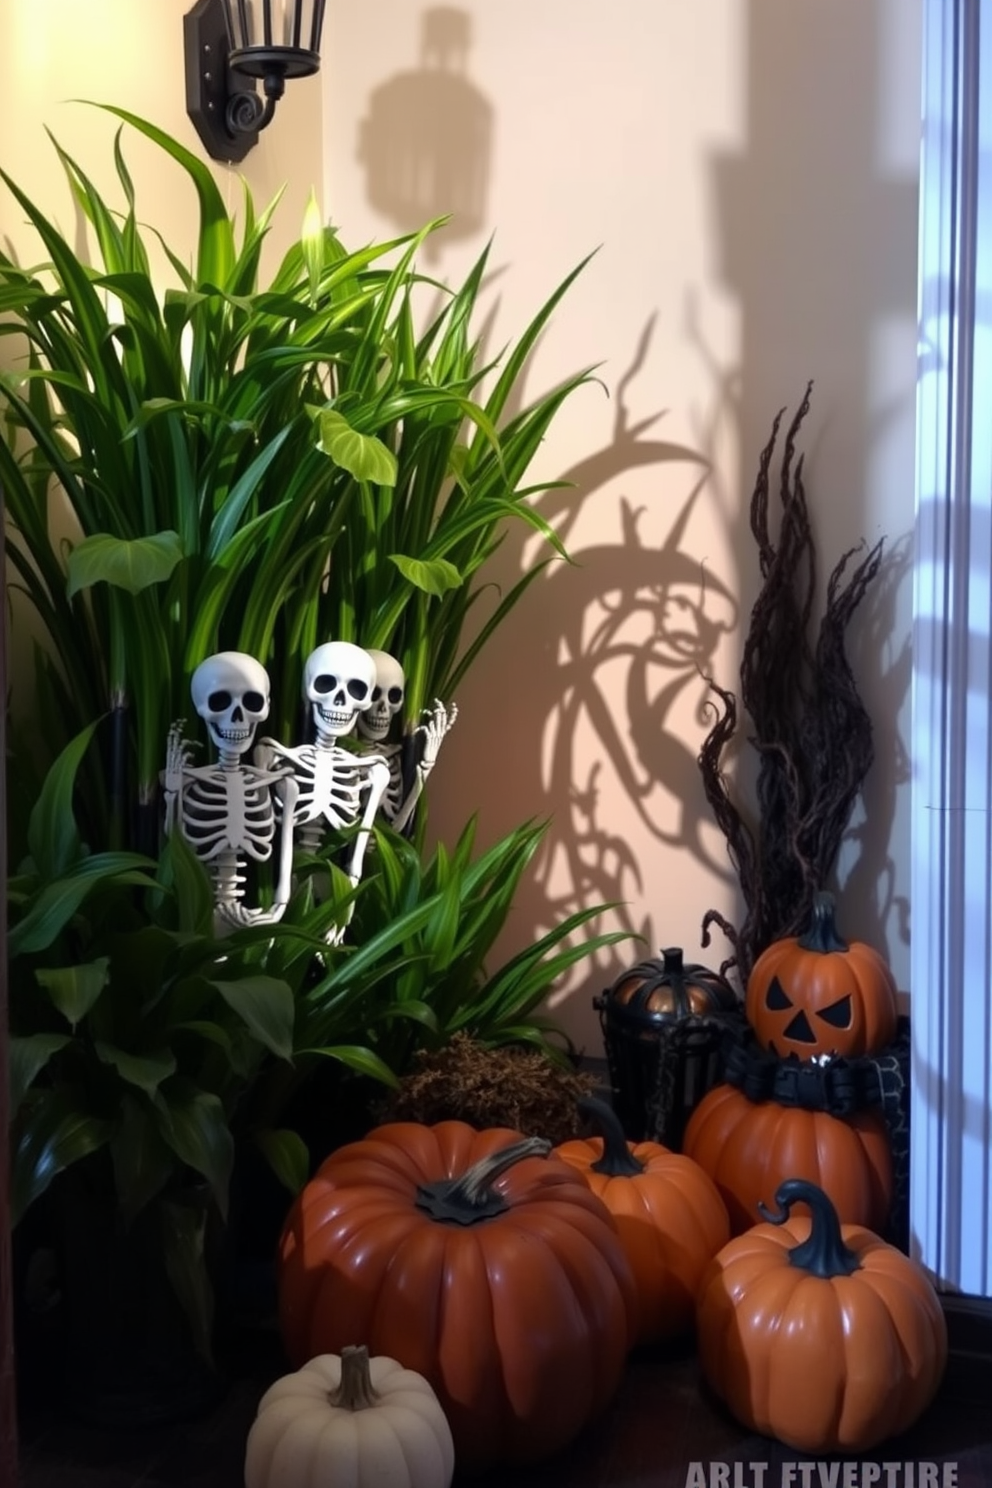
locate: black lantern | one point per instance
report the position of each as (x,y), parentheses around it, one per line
(230,43)
(663,1023)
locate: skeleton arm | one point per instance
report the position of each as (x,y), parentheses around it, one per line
(287,793)
(378,780)
(178,752)
(440,721)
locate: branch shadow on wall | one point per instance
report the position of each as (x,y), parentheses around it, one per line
(602,662)
(873,880)
(426,142)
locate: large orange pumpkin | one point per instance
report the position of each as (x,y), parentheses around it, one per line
(817,993)
(817,1334)
(668,1213)
(476,1261)
(748,1148)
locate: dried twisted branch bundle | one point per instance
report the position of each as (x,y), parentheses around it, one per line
(810,729)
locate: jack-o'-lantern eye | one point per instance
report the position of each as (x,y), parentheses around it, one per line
(776,998)
(799,1030)
(838,1014)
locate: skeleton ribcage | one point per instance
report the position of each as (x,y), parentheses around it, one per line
(392,798)
(330,784)
(228,811)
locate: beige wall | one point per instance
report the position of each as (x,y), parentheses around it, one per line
(128,53)
(748,170)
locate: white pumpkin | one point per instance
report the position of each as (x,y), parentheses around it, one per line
(345,1421)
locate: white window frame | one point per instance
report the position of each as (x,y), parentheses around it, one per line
(951,879)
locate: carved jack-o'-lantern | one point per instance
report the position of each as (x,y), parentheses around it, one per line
(816,994)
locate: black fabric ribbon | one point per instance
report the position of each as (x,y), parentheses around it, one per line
(840,1086)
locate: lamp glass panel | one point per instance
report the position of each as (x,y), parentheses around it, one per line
(288,23)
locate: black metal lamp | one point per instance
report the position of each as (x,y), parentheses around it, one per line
(230,43)
(663,1023)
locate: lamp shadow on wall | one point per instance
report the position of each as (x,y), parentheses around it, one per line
(426,141)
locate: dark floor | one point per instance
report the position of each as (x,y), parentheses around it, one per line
(661,1422)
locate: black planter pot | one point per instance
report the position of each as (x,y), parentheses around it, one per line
(39,1314)
(333,1106)
(129,1357)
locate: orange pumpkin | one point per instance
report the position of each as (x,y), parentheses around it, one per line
(817,994)
(497,1276)
(668,1213)
(748,1148)
(817,1334)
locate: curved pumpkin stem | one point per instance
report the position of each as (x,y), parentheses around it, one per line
(821,933)
(470,1197)
(823,1252)
(355,1392)
(617,1160)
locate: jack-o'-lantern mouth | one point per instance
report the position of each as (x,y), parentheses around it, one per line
(799,1030)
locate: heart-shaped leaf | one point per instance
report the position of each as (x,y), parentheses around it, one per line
(132,564)
(433,576)
(362,455)
(74,989)
(146,1071)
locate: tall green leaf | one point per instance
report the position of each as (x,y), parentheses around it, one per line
(53,837)
(266,1006)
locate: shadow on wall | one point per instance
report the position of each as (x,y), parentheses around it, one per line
(613,650)
(642,625)
(427,140)
(606,665)
(818,246)
(876,904)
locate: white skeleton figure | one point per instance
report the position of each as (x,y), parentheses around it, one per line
(225,811)
(327,786)
(374,725)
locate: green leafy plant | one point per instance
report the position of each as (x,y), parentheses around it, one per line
(239,463)
(449,973)
(142,1047)
(246,466)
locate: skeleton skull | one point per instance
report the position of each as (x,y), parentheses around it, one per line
(387,697)
(338,679)
(231,694)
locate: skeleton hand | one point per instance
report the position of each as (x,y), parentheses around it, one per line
(240,917)
(440,720)
(178,753)
(264,755)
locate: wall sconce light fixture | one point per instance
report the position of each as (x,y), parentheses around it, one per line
(230,43)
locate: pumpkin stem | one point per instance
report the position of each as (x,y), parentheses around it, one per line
(823,1252)
(617,1160)
(355,1392)
(470,1197)
(821,933)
